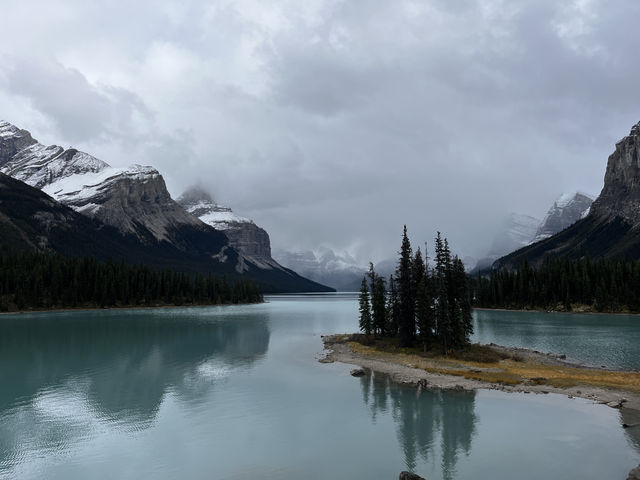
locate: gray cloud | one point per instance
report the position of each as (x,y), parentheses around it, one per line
(333,122)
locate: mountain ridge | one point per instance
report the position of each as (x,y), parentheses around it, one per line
(135,202)
(612,226)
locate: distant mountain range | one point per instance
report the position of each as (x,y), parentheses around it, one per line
(87,207)
(340,271)
(518,230)
(344,273)
(610,227)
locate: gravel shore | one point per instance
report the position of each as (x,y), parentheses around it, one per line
(337,349)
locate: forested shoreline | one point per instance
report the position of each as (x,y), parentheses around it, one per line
(420,305)
(562,284)
(37,281)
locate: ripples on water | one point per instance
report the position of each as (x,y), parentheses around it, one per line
(236,392)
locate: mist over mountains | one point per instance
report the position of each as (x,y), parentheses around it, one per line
(87,207)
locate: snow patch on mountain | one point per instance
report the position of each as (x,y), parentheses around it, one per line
(338,270)
(77,190)
(565,211)
(133,199)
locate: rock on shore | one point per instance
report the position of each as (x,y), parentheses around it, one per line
(409,476)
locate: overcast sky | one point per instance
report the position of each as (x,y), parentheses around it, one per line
(334,122)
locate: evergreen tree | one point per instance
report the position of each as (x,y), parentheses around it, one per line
(393,308)
(417,271)
(462,315)
(365,308)
(406,318)
(378,306)
(424,313)
(443,321)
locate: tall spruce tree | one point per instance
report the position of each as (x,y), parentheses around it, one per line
(378,306)
(406,318)
(424,313)
(463,313)
(442,310)
(365,308)
(417,272)
(393,308)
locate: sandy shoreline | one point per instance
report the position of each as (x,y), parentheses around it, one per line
(338,349)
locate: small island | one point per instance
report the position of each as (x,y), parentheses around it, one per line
(419,331)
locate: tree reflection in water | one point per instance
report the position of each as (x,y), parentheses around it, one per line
(424,416)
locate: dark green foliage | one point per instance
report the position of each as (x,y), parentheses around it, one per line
(462,310)
(379,306)
(43,281)
(34,222)
(406,318)
(393,308)
(434,303)
(365,308)
(443,321)
(605,285)
(425,312)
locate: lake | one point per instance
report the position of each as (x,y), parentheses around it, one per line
(237,393)
(589,339)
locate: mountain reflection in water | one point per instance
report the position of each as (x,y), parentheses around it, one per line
(113,367)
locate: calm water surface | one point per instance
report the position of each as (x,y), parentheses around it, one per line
(237,393)
(595,340)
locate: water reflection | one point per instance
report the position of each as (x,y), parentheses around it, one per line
(423,417)
(64,375)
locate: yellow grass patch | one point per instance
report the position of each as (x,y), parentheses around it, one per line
(508,371)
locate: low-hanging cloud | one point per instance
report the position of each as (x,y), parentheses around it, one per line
(333,122)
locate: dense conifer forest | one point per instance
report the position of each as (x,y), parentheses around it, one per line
(604,285)
(44,281)
(419,305)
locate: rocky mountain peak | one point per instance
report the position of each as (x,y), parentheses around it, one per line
(565,211)
(620,196)
(195,195)
(244,235)
(134,199)
(12,140)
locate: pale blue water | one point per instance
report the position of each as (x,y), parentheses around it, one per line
(237,393)
(595,340)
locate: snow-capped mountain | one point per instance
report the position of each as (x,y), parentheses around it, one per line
(244,235)
(340,271)
(566,210)
(133,199)
(520,230)
(611,226)
(149,226)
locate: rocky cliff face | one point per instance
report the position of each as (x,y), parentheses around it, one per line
(134,200)
(612,226)
(566,211)
(620,196)
(243,234)
(125,213)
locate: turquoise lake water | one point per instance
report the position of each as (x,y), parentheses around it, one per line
(237,393)
(598,340)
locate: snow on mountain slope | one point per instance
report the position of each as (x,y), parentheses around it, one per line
(566,210)
(244,235)
(340,271)
(133,199)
